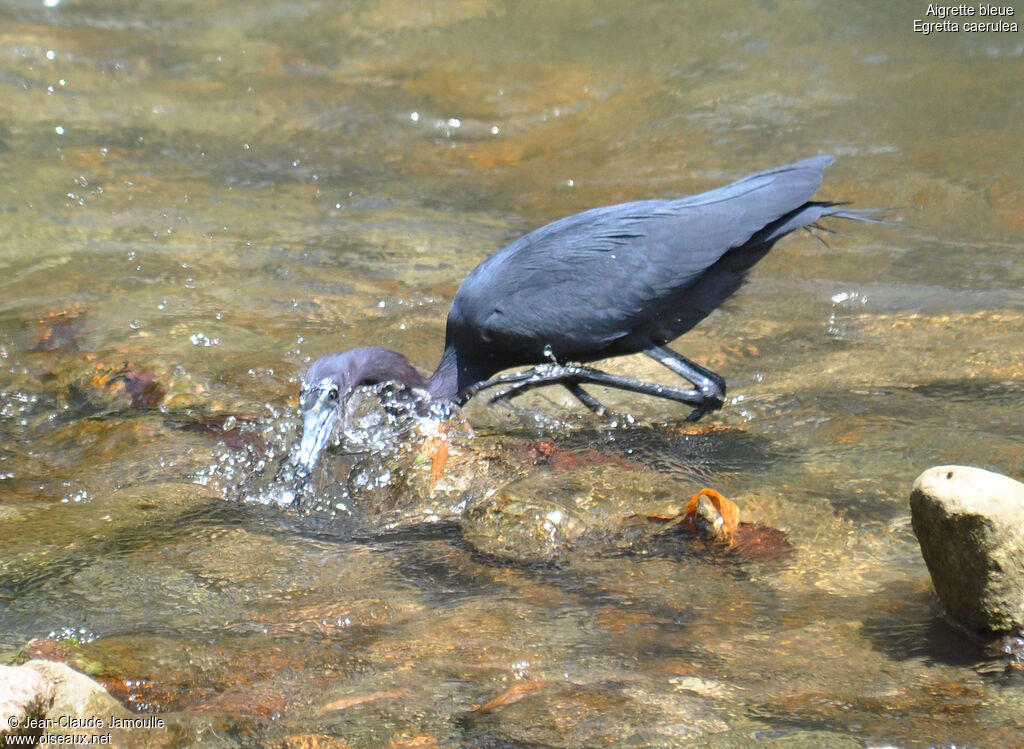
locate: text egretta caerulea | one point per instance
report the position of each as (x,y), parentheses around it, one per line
(617,280)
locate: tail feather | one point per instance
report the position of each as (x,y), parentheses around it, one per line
(809,213)
(866,215)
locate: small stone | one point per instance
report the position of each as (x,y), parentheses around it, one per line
(970,524)
(528,530)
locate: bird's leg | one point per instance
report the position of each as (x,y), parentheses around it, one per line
(573,374)
(577,392)
(586,398)
(710,385)
(512,377)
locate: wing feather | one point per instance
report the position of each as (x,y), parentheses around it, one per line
(588,279)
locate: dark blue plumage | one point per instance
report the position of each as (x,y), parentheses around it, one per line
(618,279)
(609,281)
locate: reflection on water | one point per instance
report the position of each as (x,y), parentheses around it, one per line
(198,200)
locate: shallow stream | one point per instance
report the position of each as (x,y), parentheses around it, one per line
(197,199)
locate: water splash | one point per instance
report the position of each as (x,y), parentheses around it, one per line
(843,321)
(381,463)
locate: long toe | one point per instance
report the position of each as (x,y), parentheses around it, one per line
(712,402)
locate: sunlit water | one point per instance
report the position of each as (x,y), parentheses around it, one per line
(197,200)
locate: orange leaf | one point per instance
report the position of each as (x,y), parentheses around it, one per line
(437,447)
(727,514)
(438,460)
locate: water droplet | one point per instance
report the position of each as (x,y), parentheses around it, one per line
(414,116)
(201,339)
(59,130)
(51,55)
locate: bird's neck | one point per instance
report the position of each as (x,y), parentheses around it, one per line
(383,365)
(454,373)
(444,383)
(370,365)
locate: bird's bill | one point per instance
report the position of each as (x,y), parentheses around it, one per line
(317,425)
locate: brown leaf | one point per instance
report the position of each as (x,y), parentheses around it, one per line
(414,742)
(354,700)
(143,388)
(760,543)
(314,741)
(58,330)
(545,452)
(540,450)
(512,695)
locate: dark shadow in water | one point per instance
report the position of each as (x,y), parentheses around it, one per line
(916,628)
(681,451)
(971,391)
(32,579)
(432,557)
(349,529)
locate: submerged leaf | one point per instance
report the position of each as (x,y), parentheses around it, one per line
(512,695)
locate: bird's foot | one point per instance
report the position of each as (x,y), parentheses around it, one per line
(714,399)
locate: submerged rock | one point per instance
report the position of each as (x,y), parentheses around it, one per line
(522,530)
(970,524)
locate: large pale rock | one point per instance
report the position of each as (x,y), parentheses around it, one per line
(970,524)
(80,706)
(76,695)
(24,694)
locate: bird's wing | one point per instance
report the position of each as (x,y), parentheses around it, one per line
(591,278)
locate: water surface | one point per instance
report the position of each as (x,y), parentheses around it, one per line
(204,197)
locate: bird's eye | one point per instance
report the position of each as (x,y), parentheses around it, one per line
(332,394)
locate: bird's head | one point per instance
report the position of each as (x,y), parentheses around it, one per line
(323,398)
(327,390)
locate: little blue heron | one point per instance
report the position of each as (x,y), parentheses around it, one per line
(622,279)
